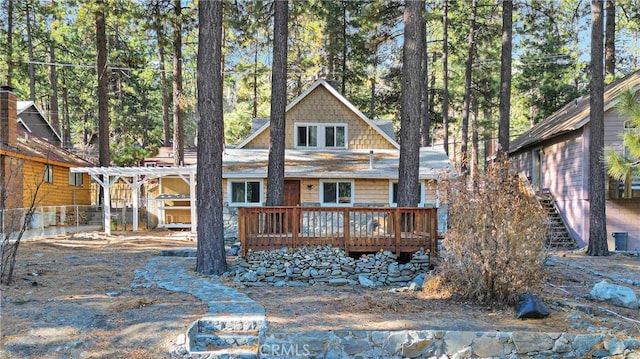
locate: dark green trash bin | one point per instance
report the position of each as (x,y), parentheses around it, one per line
(620,239)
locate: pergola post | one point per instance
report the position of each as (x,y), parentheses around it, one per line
(139,176)
(192,197)
(106,190)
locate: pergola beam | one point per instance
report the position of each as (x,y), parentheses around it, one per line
(135,177)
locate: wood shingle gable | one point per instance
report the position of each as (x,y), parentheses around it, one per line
(259,138)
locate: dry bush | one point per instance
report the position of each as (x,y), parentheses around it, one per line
(494,249)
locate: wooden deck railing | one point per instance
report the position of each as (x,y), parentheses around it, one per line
(356,229)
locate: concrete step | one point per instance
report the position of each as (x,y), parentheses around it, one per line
(226,336)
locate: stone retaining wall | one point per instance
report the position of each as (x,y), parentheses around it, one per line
(328,265)
(445,344)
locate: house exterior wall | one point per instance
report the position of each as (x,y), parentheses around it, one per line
(565,173)
(174,185)
(58,193)
(367,191)
(11,181)
(623,215)
(321,106)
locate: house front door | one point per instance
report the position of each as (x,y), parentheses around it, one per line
(291,192)
(291,198)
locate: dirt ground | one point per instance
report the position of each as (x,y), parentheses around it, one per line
(72,298)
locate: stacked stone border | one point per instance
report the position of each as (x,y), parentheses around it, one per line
(444,344)
(328,265)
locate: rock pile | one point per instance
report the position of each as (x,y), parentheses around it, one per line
(328,265)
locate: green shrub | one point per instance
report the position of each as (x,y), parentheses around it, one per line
(494,249)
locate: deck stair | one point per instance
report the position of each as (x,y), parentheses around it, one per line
(559,236)
(226,336)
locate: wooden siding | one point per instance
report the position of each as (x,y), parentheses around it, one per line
(58,193)
(576,215)
(12,182)
(563,168)
(367,191)
(174,185)
(613,130)
(623,215)
(320,106)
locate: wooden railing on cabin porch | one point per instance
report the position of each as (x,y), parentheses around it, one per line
(356,229)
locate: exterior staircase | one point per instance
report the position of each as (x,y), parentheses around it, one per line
(559,236)
(226,336)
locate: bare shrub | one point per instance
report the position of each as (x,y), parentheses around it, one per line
(494,249)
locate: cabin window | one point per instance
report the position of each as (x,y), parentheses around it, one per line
(393,193)
(336,193)
(48,173)
(75,179)
(245,192)
(320,135)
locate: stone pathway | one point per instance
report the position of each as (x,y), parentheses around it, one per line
(235,327)
(175,274)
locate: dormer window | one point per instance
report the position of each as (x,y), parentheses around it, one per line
(320,135)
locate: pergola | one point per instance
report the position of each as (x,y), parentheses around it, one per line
(135,177)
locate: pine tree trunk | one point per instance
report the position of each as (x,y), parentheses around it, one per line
(412,82)
(66,124)
(505,77)
(32,70)
(467,88)
(103,83)
(210,256)
(610,39)
(53,81)
(9,41)
(597,214)
(445,76)
(254,111)
(343,85)
(275,172)
(178,127)
(166,123)
(474,141)
(424,111)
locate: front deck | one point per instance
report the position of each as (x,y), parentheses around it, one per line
(355,229)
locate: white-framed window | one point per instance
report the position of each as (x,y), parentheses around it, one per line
(48,173)
(337,192)
(393,193)
(320,135)
(244,192)
(75,179)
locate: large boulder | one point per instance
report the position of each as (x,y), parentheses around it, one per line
(615,294)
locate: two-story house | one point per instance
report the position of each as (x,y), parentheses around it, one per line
(334,156)
(34,168)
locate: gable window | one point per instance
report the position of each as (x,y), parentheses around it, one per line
(245,193)
(75,179)
(318,135)
(48,173)
(393,193)
(336,192)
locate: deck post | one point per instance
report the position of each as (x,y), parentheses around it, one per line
(346,228)
(398,229)
(295,226)
(242,230)
(434,233)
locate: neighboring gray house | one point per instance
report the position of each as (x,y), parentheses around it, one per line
(554,155)
(33,121)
